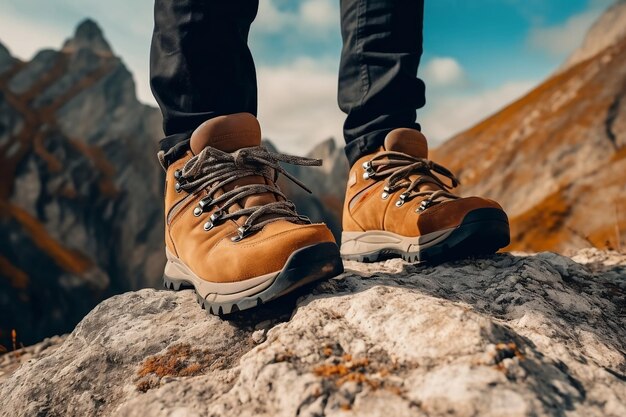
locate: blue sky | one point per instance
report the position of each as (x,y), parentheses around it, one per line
(479,54)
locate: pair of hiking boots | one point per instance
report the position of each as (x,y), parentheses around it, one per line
(235,237)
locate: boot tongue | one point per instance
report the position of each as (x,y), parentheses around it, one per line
(411,142)
(227,133)
(408,141)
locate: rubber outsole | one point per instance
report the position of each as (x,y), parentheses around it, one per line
(482,232)
(305,266)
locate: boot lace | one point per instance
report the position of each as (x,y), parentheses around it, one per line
(213,169)
(398,167)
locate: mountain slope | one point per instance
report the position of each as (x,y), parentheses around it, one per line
(556,158)
(80,197)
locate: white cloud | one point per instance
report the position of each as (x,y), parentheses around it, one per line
(270,19)
(24,40)
(447,115)
(443,71)
(561,39)
(298,104)
(313,17)
(297,101)
(320,14)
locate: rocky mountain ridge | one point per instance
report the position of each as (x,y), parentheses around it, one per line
(80,214)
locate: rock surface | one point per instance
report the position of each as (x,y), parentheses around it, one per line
(510,335)
(12,360)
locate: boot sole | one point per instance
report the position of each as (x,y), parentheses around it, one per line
(307,265)
(482,232)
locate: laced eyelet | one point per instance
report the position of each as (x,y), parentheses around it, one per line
(208,226)
(423,206)
(178,187)
(205,202)
(216,216)
(242,232)
(178,174)
(402,199)
(385,194)
(369,172)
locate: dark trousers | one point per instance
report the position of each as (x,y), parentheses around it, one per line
(201,67)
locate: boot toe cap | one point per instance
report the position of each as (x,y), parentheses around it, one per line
(450,214)
(264,252)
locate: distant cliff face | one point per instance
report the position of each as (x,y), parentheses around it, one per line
(556,158)
(80,195)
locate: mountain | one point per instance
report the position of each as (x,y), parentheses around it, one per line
(608,29)
(80,197)
(556,158)
(514,336)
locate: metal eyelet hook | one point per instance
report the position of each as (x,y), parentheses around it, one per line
(205,202)
(212,220)
(369,172)
(385,194)
(216,216)
(424,205)
(242,232)
(402,199)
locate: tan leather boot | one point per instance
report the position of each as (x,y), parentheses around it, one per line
(397,204)
(230,232)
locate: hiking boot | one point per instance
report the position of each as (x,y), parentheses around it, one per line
(229,230)
(397,204)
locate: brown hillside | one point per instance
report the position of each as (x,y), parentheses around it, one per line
(555,158)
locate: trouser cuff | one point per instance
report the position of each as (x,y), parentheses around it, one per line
(175,146)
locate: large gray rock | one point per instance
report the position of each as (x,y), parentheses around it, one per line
(81,213)
(6,60)
(511,335)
